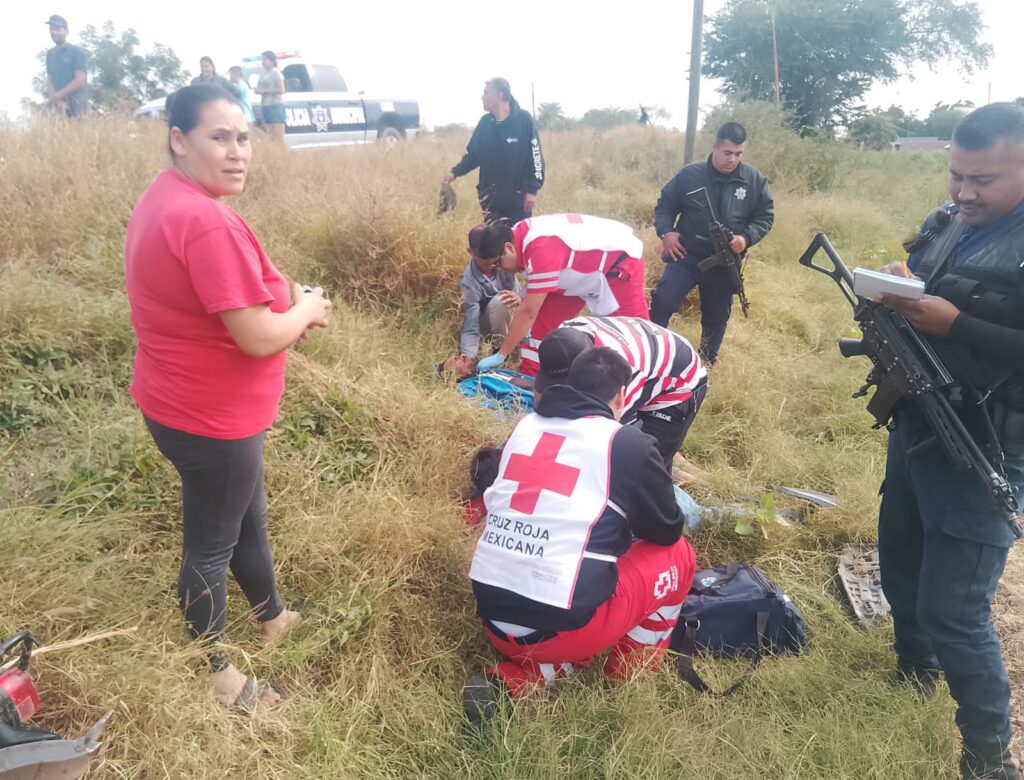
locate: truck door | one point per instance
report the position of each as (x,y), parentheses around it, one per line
(319,109)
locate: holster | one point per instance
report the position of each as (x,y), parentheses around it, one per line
(1009,425)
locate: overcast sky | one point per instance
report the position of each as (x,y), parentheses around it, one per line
(440,53)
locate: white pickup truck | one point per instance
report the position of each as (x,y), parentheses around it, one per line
(319,108)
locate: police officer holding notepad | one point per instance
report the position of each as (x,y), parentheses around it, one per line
(942,542)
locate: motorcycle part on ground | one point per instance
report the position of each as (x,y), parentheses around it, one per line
(56,759)
(862,583)
(19,699)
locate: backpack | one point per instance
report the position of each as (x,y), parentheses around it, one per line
(735,611)
(501,389)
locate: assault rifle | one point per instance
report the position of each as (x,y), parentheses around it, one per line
(722,254)
(905,367)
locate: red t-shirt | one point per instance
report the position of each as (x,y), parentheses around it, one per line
(186,258)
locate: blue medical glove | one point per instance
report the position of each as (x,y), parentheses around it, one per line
(489,362)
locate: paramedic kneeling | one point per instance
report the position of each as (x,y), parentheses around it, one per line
(557,574)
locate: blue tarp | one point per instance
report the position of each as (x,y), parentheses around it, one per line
(494,390)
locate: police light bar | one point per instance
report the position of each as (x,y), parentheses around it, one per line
(281,55)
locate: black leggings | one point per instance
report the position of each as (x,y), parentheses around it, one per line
(224,513)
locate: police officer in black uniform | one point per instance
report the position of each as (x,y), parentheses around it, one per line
(742,201)
(942,544)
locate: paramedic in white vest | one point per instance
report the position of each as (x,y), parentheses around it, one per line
(668,380)
(582,548)
(569,261)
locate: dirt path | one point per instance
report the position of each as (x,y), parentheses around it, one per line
(1008,614)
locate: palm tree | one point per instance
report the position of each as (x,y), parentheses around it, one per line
(550,116)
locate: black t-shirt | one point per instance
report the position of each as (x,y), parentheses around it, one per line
(61,64)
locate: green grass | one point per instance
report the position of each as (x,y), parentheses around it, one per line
(369,457)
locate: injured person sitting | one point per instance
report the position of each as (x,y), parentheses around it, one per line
(490,297)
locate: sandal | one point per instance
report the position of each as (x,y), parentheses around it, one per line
(250,698)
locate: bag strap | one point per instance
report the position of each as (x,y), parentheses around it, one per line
(684,663)
(618,261)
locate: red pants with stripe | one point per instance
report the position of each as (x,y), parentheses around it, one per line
(636,623)
(628,287)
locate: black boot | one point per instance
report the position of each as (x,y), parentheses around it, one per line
(988,762)
(921,679)
(480,699)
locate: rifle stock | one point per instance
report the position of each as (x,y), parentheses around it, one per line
(906,368)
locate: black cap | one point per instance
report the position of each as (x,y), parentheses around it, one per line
(556,353)
(56,21)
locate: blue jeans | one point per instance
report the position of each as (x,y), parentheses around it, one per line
(678,278)
(942,547)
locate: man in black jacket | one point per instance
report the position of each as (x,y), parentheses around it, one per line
(742,202)
(942,544)
(582,547)
(505,147)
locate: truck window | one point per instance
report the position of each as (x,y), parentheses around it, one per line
(296,79)
(328,79)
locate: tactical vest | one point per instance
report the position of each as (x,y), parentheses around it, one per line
(988,285)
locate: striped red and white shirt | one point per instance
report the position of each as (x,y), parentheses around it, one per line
(666,367)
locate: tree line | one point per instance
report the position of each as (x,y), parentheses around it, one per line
(830,53)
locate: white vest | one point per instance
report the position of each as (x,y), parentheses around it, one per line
(583,233)
(551,490)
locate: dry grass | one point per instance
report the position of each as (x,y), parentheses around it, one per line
(367,461)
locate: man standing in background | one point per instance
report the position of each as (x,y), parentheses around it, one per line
(66,77)
(505,147)
(742,201)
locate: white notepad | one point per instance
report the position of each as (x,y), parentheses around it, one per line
(871,284)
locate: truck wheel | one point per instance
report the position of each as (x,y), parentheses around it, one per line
(390,135)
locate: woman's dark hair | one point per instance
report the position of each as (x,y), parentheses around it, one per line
(599,372)
(270,56)
(184,106)
(493,239)
(483,469)
(209,60)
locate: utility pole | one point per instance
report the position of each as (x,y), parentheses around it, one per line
(696,43)
(533,101)
(775,57)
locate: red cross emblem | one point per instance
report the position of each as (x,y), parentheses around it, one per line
(540,471)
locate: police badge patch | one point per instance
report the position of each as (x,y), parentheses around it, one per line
(321,118)
(741,193)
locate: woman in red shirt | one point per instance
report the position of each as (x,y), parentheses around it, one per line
(213,320)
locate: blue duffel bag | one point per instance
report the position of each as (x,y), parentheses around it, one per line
(735,611)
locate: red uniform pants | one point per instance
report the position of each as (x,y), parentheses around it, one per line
(636,623)
(628,287)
